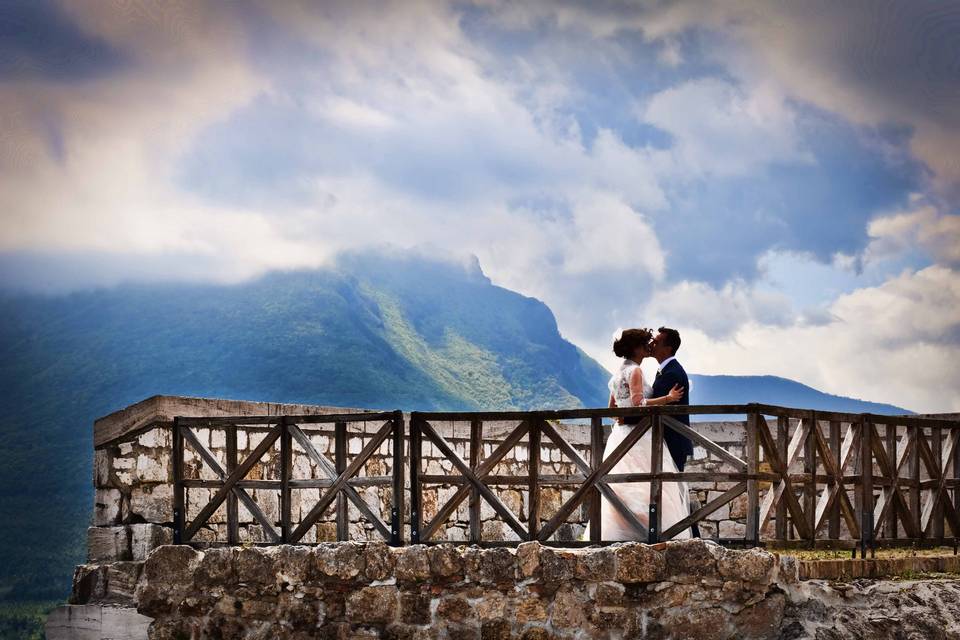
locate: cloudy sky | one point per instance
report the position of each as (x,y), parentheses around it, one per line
(781,181)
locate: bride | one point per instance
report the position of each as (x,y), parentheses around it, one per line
(628,388)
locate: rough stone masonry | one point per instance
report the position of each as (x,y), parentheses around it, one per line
(685,589)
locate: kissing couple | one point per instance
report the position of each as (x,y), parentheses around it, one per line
(629,388)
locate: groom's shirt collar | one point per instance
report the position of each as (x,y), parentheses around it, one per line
(663,365)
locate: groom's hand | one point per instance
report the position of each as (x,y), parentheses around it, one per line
(675,394)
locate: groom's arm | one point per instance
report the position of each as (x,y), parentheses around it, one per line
(666,381)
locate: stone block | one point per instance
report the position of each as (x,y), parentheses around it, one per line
(101,469)
(154,467)
(695,557)
(108,544)
(343,560)
(156,438)
(528,558)
(570,609)
(496,565)
(373,604)
(557,565)
(455,609)
(413,564)
(731,529)
(415,608)
(106,507)
(122,581)
(596,565)
(531,609)
(89,583)
(152,503)
(146,537)
(379,561)
(752,565)
(639,563)
(94,621)
(445,561)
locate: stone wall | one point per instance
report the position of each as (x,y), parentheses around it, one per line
(133,478)
(341,590)
(676,590)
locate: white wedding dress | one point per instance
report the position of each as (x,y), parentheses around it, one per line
(674,504)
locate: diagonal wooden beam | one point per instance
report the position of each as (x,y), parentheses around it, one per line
(782,490)
(468,474)
(231,480)
(950,512)
(241,493)
(361,458)
(590,482)
(849,514)
(705,442)
(952,440)
(705,510)
(331,472)
(483,469)
(608,492)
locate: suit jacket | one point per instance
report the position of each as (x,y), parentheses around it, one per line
(680,446)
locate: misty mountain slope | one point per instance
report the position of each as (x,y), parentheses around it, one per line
(779,391)
(377,332)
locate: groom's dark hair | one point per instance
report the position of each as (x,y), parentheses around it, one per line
(672,338)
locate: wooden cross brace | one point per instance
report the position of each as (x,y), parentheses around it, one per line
(330,471)
(211,461)
(340,483)
(474,479)
(591,480)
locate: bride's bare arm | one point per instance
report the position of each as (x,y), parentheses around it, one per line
(636,388)
(674,395)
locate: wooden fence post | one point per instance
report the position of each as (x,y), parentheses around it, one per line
(596,454)
(476,454)
(415,516)
(533,485)
(340,462)
(753,499)
(286,468)
(179,497)
(233,525)
(656,484)
(396,513)
(810,469)
(866,486)
(936,448)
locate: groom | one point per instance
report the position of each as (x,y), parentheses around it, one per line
(664,348)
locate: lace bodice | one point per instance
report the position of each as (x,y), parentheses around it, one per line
(619,384)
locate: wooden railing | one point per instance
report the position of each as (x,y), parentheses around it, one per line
(866,480)
(339,484)
(808,478)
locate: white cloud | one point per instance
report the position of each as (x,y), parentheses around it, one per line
(894,343)
(922,227)
(721,129)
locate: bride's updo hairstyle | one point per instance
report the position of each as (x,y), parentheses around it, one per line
(628,342)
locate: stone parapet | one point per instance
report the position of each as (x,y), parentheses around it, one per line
(372,590)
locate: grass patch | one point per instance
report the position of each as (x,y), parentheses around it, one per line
(845,554)
(24,620)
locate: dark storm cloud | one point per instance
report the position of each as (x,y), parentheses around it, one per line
(37,41)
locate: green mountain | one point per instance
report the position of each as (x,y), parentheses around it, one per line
(376,332)
(779,391)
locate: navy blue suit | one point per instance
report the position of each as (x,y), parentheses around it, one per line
(680,446)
